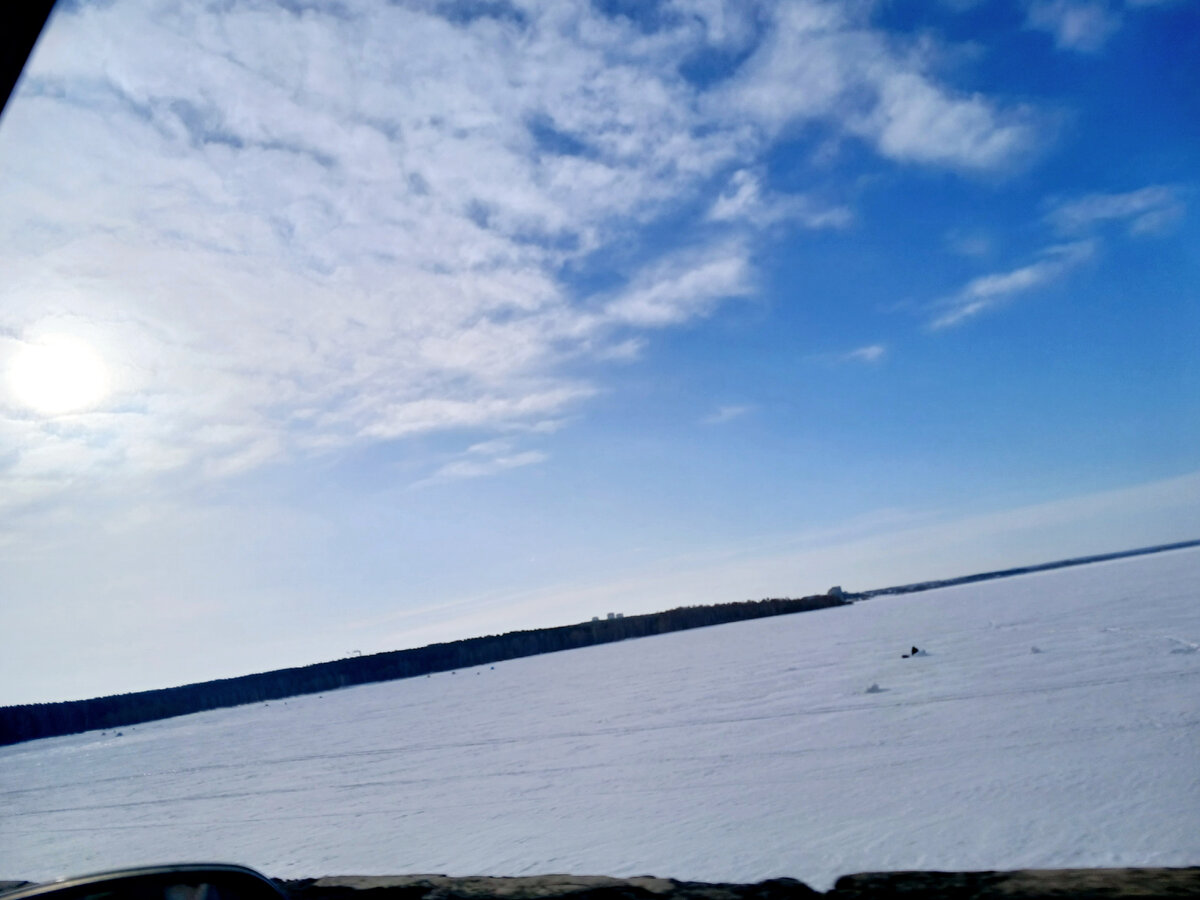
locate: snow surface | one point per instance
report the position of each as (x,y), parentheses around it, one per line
(732,753)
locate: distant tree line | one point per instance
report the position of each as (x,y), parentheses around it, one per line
(1020,570)
(39,720)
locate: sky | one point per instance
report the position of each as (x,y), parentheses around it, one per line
(345,327)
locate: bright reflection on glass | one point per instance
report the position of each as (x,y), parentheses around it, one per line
(57,374)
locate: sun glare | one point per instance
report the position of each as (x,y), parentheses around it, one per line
(57,374)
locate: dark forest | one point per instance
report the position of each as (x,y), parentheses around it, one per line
(39,720)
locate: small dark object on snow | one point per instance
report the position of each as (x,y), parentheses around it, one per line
(915,651)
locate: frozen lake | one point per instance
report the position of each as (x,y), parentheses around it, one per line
(732,753)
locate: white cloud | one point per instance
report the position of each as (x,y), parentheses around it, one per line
(353,227)
(723,414)
(684,286)
(1147,211)
(969,243)
(483,459)
(476,465)
(745,200)
(1081,25)
(727,24)
(494,447)
(872,353)
(987,291)
(868,354)
(625,350)
(435,413)
(741,199)
(822,62)
(917,121)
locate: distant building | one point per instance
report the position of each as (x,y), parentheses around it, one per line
(611,615)
(595,618)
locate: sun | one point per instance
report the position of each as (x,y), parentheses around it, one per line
(57,374)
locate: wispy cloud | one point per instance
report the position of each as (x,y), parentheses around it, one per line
(353,225)
(869,354)
(822,62)
(683,286)
(484,459)
(1081,25)
(745,200)
(918,121)
(723,414)
(872,353)
(971,244)
(987,291)
(437,414)
(1150,210)
(1147,211)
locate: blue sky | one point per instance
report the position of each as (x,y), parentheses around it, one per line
(336,327)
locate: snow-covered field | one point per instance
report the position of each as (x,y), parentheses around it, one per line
(730,753)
